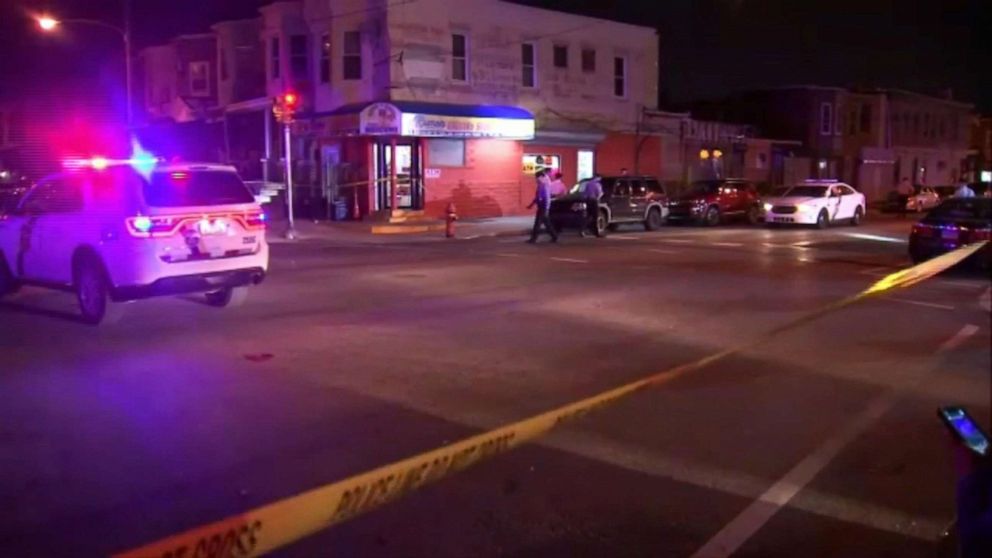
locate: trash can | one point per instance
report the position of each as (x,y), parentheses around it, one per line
(340,209)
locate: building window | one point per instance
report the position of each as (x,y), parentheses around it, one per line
(589,60)
(852,122)
(298,57)
(838,123)
(561,56)
(620,76)
(352,57)
(826,118)
(199,79)
(325,58)
(274,57)
(446,152)
(528,65)
(222,62)
(459,57)
(865,125)
(942,128)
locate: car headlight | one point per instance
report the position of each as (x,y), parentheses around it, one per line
(806,208)
(768,207)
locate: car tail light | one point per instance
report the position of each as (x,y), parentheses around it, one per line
(923,230)
(981,234)
(151,227)
(255,220)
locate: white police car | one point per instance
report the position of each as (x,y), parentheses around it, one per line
(113,233)
(815,202)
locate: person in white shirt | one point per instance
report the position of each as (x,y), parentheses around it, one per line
(592,191)
(557,185)
(542,199)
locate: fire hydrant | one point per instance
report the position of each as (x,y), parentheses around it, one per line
(450,216)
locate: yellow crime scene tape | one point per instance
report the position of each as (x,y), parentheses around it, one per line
(266,528)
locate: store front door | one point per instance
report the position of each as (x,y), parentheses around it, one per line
(409,175)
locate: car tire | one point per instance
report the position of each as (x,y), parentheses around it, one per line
(712,217)
(653,221)
(602,224)
(228,297)
(8,283)
(859,214)
(93,294)
(823,219)
(753,215)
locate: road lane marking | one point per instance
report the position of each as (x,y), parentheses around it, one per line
(959,338)
(570,260)
(663,251)
(879,238)
(733,535)
(508,255)
(729,244)
(985,301)
(677,240)
(920,303)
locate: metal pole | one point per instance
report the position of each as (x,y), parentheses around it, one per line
(127,61)
(291,230)
(267,121)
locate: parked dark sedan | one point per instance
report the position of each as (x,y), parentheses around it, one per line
(952,224)
(626,199)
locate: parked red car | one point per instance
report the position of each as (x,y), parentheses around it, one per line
(712,202)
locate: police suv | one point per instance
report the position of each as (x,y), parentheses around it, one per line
(113,233)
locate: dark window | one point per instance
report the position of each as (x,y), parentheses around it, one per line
(528,65)
(942,128)
(655,187)
(57,196)
(298,57)
(561,56)
(865,118)
(325,58)
(852,123)
(222,61)
(196,188)
(274,56)
(620,76)
(459,57)
(638,189)
(916,124)
(589,60)
(352,57)
(621,189)
(826,118)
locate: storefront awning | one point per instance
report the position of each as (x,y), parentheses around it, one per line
(418,119)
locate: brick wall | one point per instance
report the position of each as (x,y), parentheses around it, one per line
(489,185)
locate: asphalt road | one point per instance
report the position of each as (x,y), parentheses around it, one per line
(823,442)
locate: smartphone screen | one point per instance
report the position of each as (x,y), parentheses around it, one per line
(965,428)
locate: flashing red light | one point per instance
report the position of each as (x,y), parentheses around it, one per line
(99,163)
(179,176)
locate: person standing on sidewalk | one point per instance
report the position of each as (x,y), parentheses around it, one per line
(557,185)
(592,192)
(542,200)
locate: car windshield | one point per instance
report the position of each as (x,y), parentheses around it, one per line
(705,187)
(807,191)
(781,192)
(977,209)
(196,188)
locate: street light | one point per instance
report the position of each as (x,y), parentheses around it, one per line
(48,24)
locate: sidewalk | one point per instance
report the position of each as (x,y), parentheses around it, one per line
(360,232)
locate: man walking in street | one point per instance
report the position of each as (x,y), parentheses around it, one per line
(542,200)
(592,191)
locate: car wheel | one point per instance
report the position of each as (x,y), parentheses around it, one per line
(858,215)
(653,221)
(602,223)
(753,216)
(822,220)
(228,297)
(93,294)
(712,217)
(8,283)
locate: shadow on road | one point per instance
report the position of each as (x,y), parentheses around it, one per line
(18,308)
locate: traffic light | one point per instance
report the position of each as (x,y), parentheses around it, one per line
(286,105)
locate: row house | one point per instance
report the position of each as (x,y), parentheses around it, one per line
(870,138)
(412,105)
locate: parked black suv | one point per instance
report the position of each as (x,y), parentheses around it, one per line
(626,199)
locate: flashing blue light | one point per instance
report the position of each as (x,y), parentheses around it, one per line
(142,161)
(142,224)
(263,217)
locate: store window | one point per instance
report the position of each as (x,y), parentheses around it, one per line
(534,162)
(619,77)
(586,164)
(199,79)
(274,57)
(446,152)
(298,57)
(561,56)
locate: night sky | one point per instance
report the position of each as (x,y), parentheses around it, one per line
(709,47)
